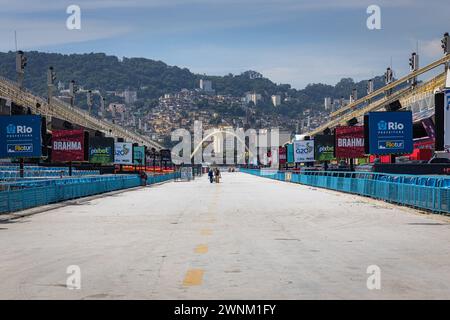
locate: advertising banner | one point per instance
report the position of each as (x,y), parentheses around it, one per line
(290,152)
(282,155)
(447,120)
(123,153)
(323,147)
(390,132)
(101,150)
(20,136)
(349,142)
(139,155)
(304,151)
(67,145)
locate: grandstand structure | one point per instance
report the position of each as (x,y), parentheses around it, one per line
(419,98)
(64,111)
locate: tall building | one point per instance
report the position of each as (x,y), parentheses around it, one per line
(206,85)
(276,100)
(327,103)
(130,96)
(253,97)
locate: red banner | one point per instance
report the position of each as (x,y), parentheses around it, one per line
(67,145)
(282,155)
(349,142)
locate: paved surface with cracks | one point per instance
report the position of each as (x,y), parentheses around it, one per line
(245,238)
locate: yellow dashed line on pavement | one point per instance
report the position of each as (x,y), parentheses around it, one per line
(194,277)
(201,249)
(206,232)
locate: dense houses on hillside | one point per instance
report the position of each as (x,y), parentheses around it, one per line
(180,110)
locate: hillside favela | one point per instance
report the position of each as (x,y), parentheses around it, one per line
(233,158)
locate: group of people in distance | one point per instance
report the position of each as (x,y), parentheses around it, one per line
(214,175)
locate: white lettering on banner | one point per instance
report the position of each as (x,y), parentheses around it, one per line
(350,142)
(24,129)
(67,145)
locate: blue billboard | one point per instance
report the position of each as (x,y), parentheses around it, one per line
(20,136)
(390,132)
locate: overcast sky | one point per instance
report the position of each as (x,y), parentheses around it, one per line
(289,41)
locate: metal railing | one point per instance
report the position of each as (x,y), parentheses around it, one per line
(357,110)
(63,110)
(423,192)
(33,193)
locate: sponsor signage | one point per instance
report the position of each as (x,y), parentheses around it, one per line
(67,145)
(123,153)
(390,132)
(139,155)
(282,157)
(349,142)
(101,150)
(304,151)
(20,136)
(290,152)
(323,147)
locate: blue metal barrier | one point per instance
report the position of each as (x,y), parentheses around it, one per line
(28,194)
(162,177)
(424,192)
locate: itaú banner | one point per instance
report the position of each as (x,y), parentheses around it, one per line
(349,142)
(67,145)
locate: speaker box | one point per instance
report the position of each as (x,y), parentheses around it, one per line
(366,134)
(394,106)
(439,100)
(86,146)
(67,125)
(352,122)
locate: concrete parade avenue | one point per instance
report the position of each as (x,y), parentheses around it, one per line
(245,238)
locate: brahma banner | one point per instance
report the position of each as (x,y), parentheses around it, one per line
(349,142)
(67,145)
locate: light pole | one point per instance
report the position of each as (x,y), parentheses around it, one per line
(72,91)
(89,100)
(102,107)
(369,88)
(21,63)
(445,45)
(413,66)
(51,77)
(388,77)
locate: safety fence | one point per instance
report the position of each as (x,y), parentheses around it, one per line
(163,177)
(423,192)
(12,172)
(28,194)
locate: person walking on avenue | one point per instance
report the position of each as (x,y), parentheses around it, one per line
(217,175)
(210,175)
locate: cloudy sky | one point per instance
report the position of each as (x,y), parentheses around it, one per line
(290,41)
